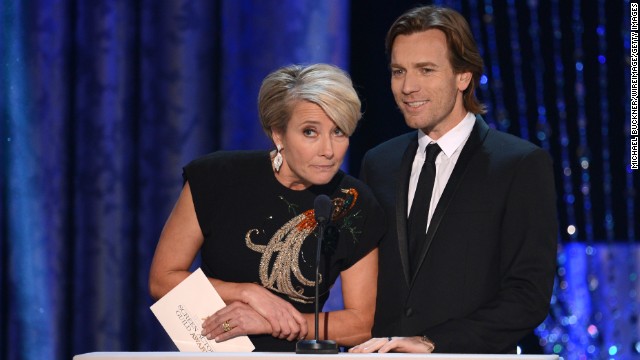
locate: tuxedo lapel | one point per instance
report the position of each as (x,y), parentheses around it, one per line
(477,136)
(401,203)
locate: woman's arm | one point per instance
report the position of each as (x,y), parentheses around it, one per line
(352,325)
(180,241)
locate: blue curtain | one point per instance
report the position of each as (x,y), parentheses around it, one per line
(102,103)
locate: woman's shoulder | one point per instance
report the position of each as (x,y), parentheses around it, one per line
(227,157)
(227,165)
(360,218)
(349,181)
(365,195)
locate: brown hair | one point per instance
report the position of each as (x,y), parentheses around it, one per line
(325,85)
(463,51)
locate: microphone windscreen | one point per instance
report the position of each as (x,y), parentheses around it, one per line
(322,208)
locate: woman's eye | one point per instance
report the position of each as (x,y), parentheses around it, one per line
(309,132)
(338,132)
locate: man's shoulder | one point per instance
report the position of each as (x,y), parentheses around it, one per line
(508,142)
(392,146)
(509,150)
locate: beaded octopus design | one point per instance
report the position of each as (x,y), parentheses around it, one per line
(285,245)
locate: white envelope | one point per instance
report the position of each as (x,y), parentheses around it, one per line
(181,312)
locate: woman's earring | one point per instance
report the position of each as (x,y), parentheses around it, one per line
(277,160)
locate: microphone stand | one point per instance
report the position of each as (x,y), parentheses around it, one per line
(317,346)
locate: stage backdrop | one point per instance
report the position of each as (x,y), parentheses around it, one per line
(556,74)
(104,101)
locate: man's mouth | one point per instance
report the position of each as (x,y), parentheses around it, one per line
(415,104)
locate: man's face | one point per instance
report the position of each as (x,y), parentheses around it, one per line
(424,85)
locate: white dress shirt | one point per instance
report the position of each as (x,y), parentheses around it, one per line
(451,144)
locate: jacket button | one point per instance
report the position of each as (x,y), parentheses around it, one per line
(408,312)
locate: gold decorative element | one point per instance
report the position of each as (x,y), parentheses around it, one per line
(285,245)
(226,327)
(341,206)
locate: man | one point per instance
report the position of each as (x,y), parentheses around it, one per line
(477,274)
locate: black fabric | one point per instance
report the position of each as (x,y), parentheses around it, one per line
(240,204)
(487,268)
(417,222)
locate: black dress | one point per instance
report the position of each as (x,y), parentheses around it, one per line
(258,231)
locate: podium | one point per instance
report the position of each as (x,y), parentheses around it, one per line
(294,356)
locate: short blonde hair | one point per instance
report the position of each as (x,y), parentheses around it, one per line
(325,85)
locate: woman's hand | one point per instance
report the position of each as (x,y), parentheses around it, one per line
(234,320)
(285,321)
(413,344)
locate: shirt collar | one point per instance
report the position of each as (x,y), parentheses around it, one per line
(451,141)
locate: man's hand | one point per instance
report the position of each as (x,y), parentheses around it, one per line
(413,344)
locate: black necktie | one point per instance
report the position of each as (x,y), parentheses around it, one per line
(417,224)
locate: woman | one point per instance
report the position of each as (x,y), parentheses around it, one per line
(250,214)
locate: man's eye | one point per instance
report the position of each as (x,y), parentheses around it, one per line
(396,72)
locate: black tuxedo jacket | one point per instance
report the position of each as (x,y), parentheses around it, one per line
(487,267)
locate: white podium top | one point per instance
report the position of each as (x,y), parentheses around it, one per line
(294,356)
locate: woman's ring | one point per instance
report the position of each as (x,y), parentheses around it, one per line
(226,327)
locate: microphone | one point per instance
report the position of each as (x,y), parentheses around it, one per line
(322,208)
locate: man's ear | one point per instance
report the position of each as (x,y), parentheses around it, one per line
(464,79)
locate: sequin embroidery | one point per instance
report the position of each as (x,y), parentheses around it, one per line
(285,245)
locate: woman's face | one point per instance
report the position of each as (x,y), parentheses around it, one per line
(313,147)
